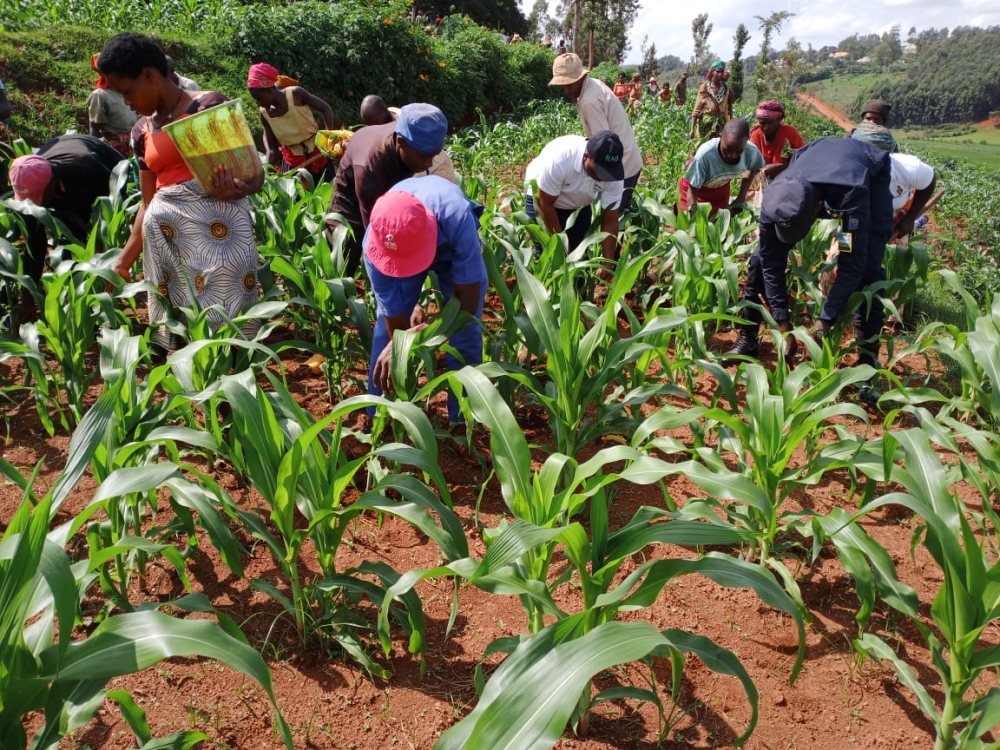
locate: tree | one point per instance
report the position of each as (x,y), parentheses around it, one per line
(606,24)
(647,67)
(537,20)
(740,39)
(765,65)
(700,30)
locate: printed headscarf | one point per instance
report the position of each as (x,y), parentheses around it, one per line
(101,82)
(264,76)
(876,135)
(771,108)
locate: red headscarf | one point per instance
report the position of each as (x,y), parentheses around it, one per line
(101,82)
(264,76)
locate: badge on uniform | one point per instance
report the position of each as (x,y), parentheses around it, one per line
(845,242)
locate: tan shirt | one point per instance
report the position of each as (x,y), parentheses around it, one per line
(600,110)
(108,109)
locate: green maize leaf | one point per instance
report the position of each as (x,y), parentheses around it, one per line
(88,436)
(69,706)
(623,543)
(876,647)
(129,480)
(529,699)
(131,642)
(725,486)
(986,709)
(512,542)
(718,660)
(454,547)
(412,489)
(986,658)
(510,453)
(855,548)
(199,497)
(134,716)
(626,693)
(186,435)
(60,588)
(177,741)
(726,571)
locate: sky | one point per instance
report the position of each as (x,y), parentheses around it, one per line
(816,22)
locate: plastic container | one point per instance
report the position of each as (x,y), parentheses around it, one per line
(217,136)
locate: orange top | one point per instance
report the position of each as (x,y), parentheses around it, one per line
(622,91)
(156,152)
(775,151)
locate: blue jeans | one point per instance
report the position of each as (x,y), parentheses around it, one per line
(468,342)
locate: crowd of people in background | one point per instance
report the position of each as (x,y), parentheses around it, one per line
(395,190)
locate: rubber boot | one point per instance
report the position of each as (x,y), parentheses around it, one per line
(746,344)
(869,391)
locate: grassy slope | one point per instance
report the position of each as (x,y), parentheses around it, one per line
(841,91)
(981,147)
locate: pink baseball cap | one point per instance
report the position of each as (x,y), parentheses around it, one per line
(402,235)
(29,176)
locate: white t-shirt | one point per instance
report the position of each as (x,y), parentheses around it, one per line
(559,171)
(908,174)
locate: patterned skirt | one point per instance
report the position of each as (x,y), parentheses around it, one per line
(199,251)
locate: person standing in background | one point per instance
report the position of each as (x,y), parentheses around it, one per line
(681,89)
(622,89)
(599,110)
(713,107)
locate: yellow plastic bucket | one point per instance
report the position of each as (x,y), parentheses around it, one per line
(217,136)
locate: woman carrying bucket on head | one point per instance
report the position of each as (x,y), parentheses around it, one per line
(286,111)
(196,236)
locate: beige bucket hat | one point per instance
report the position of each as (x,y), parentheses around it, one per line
(567,68)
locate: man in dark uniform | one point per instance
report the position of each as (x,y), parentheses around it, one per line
(375,159)
(833,177)
(66,176)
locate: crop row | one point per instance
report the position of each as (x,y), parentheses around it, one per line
(616,384)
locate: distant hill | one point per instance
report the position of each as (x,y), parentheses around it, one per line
(951,79)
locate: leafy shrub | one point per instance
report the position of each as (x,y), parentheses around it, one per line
(341,52)
(608,72)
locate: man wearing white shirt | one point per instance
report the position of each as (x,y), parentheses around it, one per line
(599,110)
(570,173)
(911,182)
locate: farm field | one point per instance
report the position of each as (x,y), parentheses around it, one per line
(674,552)
(840,91)
(975,143)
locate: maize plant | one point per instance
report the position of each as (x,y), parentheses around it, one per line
(518,561)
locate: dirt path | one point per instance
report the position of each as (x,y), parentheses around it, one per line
(822,108)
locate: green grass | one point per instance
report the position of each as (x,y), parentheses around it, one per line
(964,149)
(841,91)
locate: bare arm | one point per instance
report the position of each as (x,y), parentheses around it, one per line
(302,96)
(272,149)
(609,224)
(920,198)
(94,128)
(227,187)
(133,246)
(546,205)
(741,196)
(383,365)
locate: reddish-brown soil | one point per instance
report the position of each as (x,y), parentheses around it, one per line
(838,700)
(823,109)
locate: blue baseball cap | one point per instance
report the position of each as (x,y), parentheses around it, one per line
(422,126)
